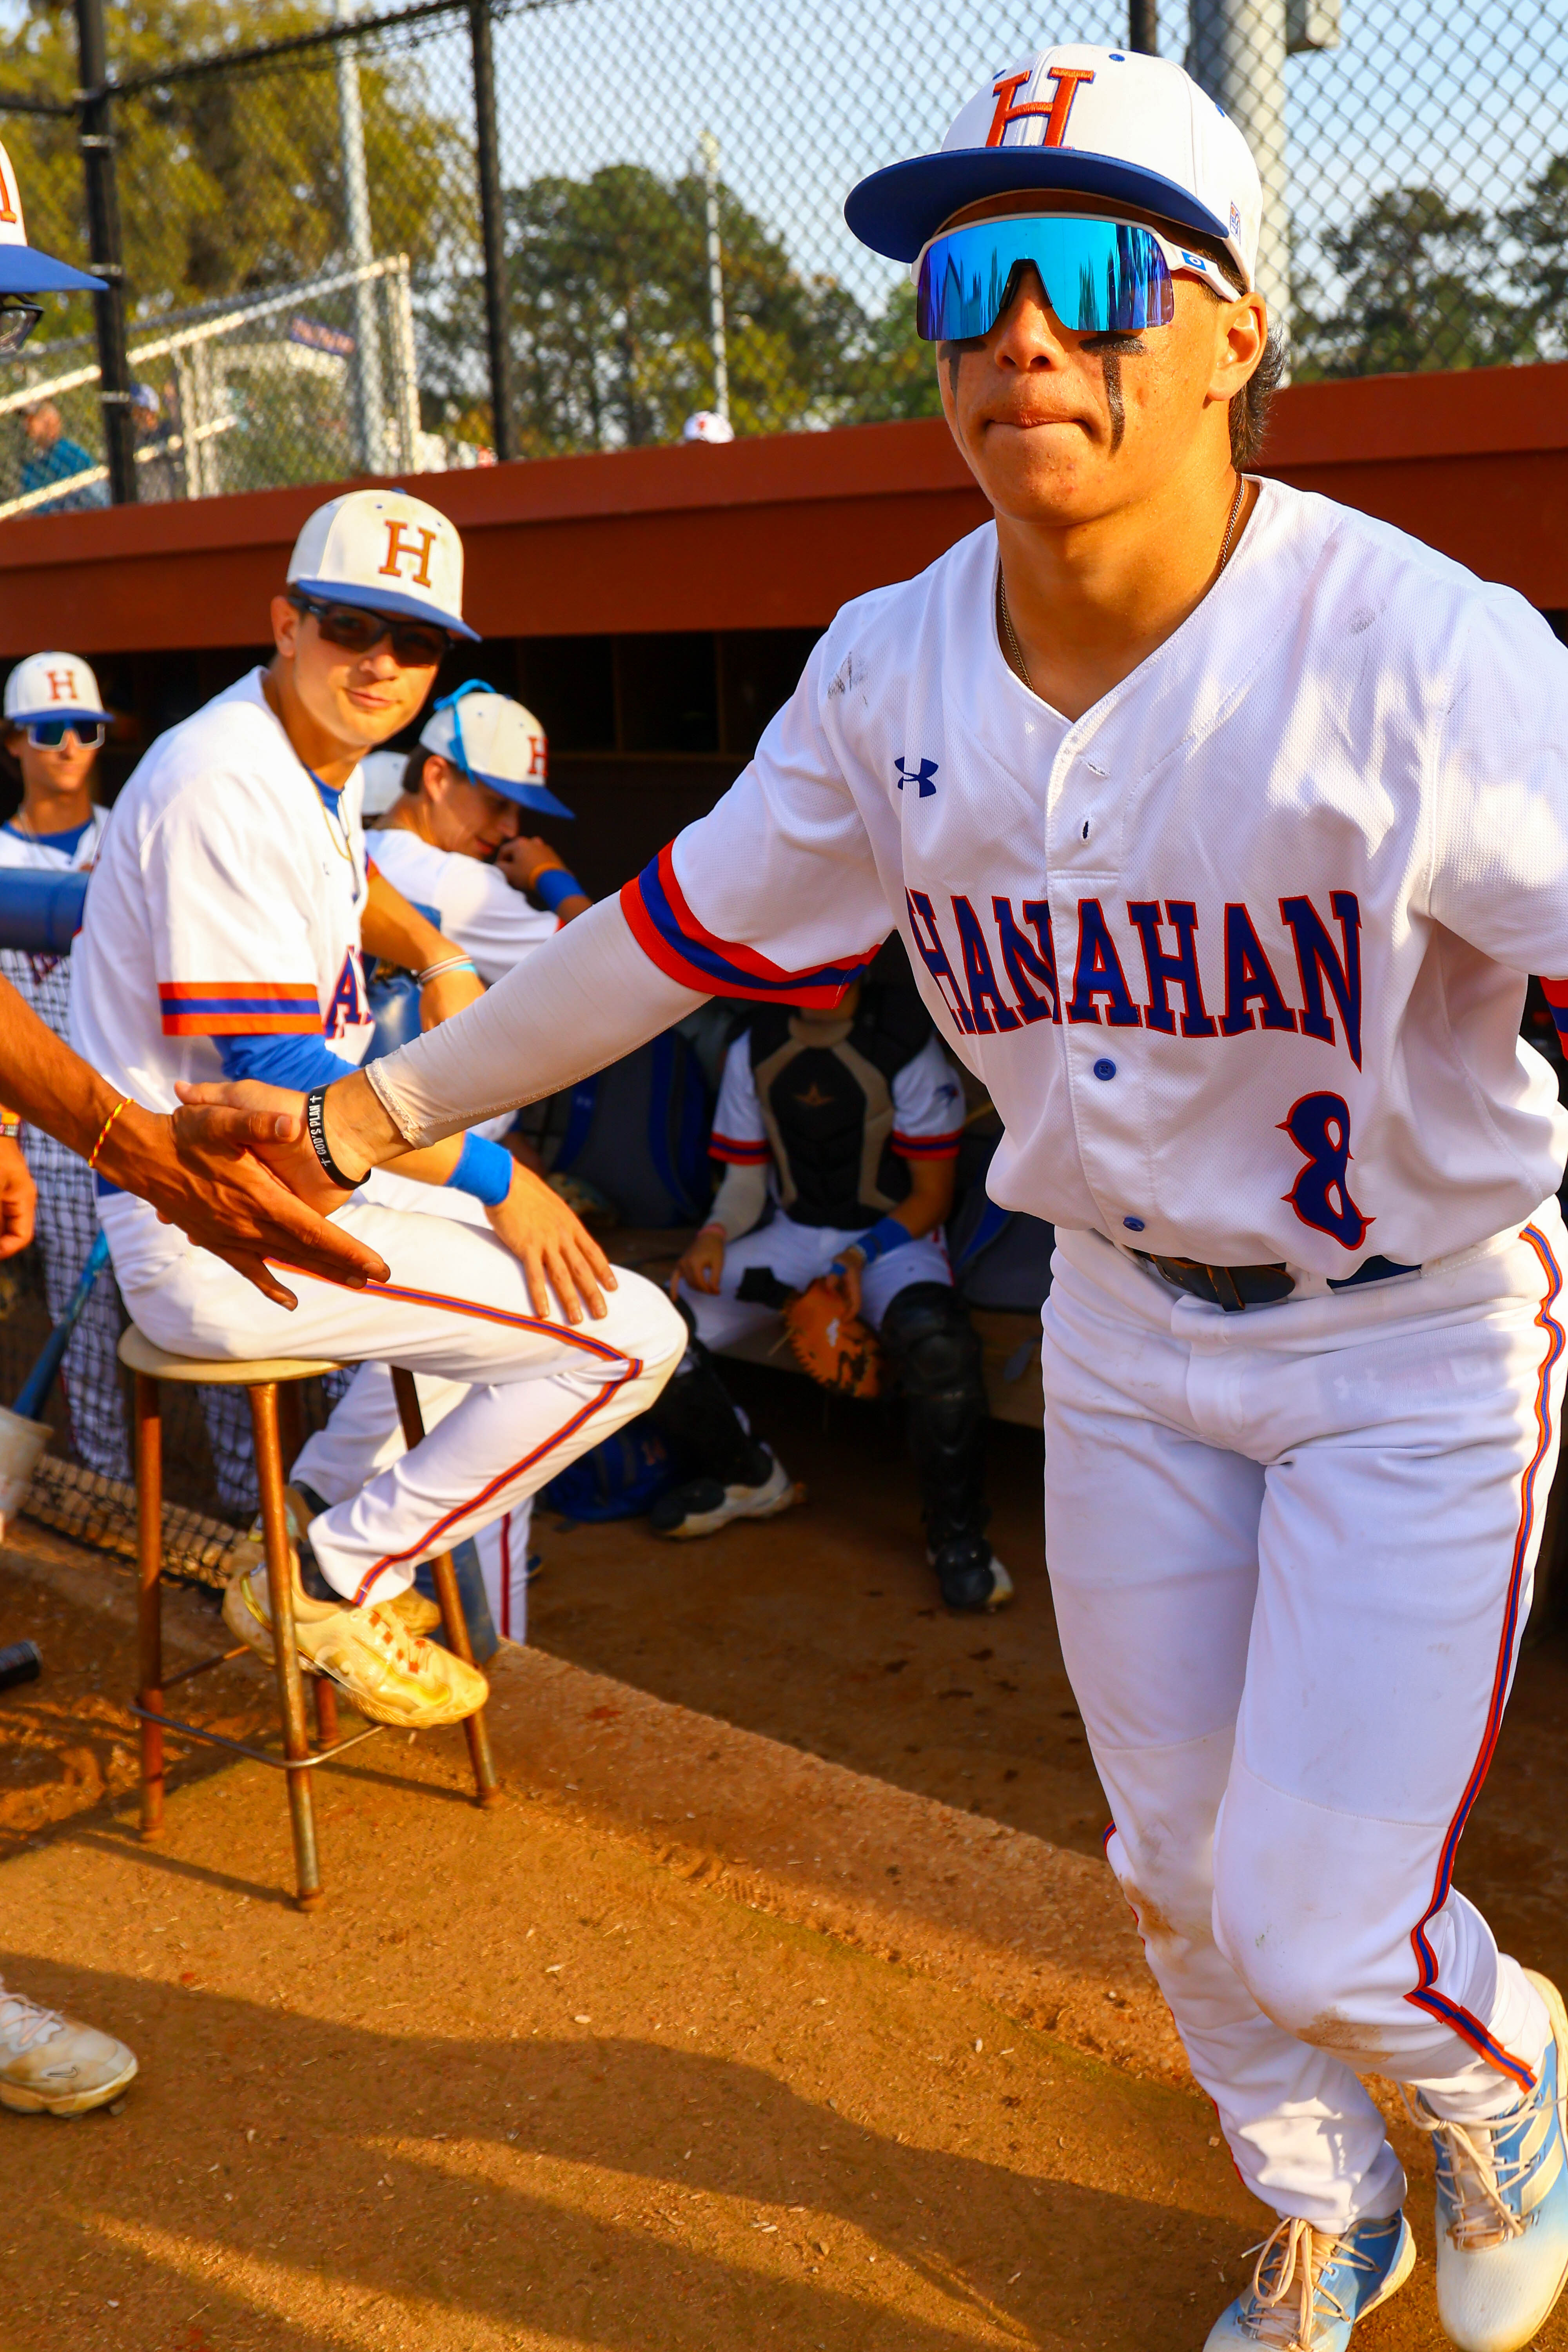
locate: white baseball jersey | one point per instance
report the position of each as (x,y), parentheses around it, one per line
(226,902)
(471,902)
(44,979)
(1240,954)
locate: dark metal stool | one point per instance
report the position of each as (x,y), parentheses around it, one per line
(268,1381)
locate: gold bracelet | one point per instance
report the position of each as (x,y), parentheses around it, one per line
(124,1104)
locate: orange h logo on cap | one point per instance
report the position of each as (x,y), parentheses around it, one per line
(401,541)
(62,685)
(1066,80)
(8,208)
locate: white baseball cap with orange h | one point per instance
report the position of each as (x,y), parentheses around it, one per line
(1083,120)
(387,552)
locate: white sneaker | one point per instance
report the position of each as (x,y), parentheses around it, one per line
(702,1506)
(50,2064)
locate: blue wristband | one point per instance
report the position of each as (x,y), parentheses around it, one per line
(555,886)
(483,1168)
(876,1241)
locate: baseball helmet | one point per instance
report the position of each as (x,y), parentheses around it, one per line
(1083,120)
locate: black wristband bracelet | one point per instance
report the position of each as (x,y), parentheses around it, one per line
(316,1128)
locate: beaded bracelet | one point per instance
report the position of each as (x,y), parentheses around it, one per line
(124,1104)
(451,963)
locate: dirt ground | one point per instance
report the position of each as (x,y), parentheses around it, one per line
(700,2040)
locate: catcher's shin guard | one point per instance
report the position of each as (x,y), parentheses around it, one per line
(702,1427)
(936,1353)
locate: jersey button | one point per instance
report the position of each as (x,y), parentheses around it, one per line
(1133,1225)
(1105,1067)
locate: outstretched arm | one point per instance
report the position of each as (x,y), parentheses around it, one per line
(228,1201)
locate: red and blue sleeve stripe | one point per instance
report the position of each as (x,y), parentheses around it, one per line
(1556,994)
(670,934)
(239,1008)
(739,1150)
(928,1147)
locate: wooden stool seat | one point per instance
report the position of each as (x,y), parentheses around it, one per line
(263,1377)
(215,1372)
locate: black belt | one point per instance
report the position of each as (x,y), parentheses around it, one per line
(1237,1287)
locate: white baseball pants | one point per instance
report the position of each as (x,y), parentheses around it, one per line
(1291,1553)
(796,1255)
(542,1391)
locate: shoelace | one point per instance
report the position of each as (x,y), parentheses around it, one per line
(1479,2185)
(24,2024)
(1290,2311)
(388,1628)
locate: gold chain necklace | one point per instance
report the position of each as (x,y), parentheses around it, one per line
(1015,651)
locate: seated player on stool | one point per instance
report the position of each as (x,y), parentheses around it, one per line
(848,1124)
(223,934)
(452,845)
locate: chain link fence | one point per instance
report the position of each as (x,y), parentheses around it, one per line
(336,248)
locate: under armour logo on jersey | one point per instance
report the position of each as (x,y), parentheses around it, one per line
(921,774)
(408,539)
(1057,108)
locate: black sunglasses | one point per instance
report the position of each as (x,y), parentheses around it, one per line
(415,645)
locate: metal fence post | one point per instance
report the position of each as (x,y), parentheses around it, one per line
(1236,53)
(1143,28)
(497,326)
(710,146)
(370,419)
(96,143)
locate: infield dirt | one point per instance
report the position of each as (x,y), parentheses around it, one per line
(749,2018)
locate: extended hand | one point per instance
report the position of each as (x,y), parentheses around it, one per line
(18,1199)
(234,1169)
(556,1250)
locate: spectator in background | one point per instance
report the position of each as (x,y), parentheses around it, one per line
(156,477)
(55,723)
(55,457)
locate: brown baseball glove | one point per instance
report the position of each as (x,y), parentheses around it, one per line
(834,1345)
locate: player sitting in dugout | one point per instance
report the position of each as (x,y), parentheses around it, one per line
(839,1133)
(223,933)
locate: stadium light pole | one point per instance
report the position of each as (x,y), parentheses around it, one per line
(710,146)
(370,418)
(1236,52)
(492,223)
(96,140)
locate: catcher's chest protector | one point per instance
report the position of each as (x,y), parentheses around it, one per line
(827,1104)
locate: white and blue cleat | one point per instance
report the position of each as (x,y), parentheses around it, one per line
(1311,2287)
(1502,2207)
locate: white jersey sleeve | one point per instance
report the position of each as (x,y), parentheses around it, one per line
(1500,851)
(927,1107)
(739,1134)
(779,892)
(472,902)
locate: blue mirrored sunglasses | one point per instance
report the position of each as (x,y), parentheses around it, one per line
(1100,277)
(48,734)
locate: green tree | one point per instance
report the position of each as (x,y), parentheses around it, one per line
(894,372)
(232,183)
(610,324)
(1422,287)
(1536,235)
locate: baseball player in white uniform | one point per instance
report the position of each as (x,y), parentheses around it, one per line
(55,726)
(1223,825)
(223,934)
(452,845)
